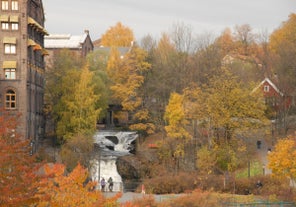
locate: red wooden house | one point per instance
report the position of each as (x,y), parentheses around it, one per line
(274,98)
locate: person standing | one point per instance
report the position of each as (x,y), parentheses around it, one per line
(110,181)
(103,184)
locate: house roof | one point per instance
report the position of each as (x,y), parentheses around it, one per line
(54,41)
(271,84)
(107,50)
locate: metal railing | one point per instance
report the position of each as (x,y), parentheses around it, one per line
(117,187)
(261,204)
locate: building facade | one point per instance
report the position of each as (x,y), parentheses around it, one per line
(22,64)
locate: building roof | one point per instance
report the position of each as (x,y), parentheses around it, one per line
(54,41)
(271,84)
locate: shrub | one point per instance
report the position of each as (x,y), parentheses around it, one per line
(147,201)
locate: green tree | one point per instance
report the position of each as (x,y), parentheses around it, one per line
(56,75)
(98,61)
(79,114)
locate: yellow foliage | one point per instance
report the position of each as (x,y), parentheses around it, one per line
(119,36)
(282,159)
(284,35)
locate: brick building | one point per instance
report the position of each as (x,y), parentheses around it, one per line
(22,61)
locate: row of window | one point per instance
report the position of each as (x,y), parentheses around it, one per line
(14,6)
(8,25)
(9,22)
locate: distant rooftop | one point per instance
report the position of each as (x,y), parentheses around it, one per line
(64,41)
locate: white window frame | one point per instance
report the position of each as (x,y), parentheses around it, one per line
(14,26)
(4,5)
(4,25)
(266,88)
(14,5)
(9,48)
(10,73)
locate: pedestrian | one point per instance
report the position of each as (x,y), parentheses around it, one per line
(143,189)
(103,184)
(259,144)
(110,181)
(259,185)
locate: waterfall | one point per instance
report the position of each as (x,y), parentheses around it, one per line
(109,145)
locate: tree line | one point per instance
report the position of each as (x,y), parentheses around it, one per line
(188,88)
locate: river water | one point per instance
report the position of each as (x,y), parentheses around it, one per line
(109,145)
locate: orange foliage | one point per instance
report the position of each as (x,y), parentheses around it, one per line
(58,189)
(282,159)
(17,167)
(117,36)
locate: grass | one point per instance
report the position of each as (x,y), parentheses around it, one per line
(255,169)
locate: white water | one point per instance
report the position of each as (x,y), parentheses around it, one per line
(104,163)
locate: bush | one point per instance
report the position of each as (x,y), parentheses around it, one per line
(170,184)
(148,201)
(183,182)
(196,199)
(272,187)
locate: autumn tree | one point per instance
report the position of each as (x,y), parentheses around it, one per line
(18,178)
(127,79)
(56,74)
(163,77)
(79,114)
(98,61)
(226,42)
(176,128)
(118,36)
(230,106)
(73,189)
(206,61)
(283,47)
(206,160)
(244,39)
(282,158)
(76,150)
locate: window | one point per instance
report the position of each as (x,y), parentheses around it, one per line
(5,25)
(9,48)
(10,99)
(14,5)
(4,5)
(14,26)
(266,88)
(9,73)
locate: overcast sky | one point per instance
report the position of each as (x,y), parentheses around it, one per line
(157,16)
